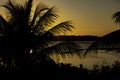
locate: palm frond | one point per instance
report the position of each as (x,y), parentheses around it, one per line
(4,25)
(14,11)
(11,7)
(38,10)
(60,28)
(45,20)
(3,21)
(63,48)
(110,41)
(28,9)
(116,17)
(19,15)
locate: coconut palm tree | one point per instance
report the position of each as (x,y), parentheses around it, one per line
(27,34)
(110,41)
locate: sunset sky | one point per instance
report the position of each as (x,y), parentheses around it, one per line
(90,17)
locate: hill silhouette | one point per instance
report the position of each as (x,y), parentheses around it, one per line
(76,38)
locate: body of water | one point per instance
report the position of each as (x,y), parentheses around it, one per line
(102,58)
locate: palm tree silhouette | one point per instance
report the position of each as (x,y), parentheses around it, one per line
(110,41)
(26,35)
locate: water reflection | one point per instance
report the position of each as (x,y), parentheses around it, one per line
(103,58)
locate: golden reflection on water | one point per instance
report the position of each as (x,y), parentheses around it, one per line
(103,58)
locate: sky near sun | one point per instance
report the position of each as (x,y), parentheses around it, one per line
(89,17)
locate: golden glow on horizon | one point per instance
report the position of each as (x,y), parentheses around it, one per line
(90,17)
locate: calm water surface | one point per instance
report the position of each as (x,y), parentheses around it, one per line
(102,58)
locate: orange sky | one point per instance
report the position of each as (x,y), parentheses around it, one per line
(90,17)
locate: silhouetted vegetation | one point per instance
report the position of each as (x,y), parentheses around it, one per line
(66,71)
(26,37)
(26,44)
(110,41)
(75,38)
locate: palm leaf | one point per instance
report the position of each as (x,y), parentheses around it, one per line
(28,10)
(60,28)
(63,48)
(116,17)
(45,20)
(19,15)
(38,10)
(12,8)
(4,25)
(110,41)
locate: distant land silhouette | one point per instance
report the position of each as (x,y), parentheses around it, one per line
(76,38)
